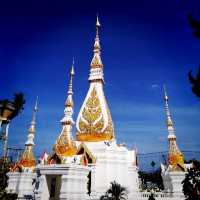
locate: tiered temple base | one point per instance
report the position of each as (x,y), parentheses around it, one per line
(172,182)
(21,184)
(63,181)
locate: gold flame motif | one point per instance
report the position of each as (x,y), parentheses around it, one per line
(65,146)
(96,62)
(175,157)
(92,122)
(27,158)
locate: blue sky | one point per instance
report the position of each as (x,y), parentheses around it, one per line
(145,44)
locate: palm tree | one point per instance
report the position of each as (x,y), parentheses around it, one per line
(3,105)
(10,109)
(18,104)
(115,192)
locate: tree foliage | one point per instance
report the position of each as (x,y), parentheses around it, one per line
(195,81)
(115,192)
(191,183)
(195,25)
(16,105)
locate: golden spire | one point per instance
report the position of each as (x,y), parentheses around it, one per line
(96,60)
(27,159)
(175,156)
(94,122)
(65,146)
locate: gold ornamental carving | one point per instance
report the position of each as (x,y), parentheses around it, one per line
(27,158)
(92,122)
(175,157)
(65,146)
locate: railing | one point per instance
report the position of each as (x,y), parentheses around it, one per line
(160,196)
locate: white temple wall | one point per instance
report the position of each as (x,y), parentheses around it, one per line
(133,182)
(43,191)
(74,185)
(26,186)
(13,182)
(112,165)
(21,183)
(172,181)
(71,182)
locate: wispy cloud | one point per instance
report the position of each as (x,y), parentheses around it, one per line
(154,86)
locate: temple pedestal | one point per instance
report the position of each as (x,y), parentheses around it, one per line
(63,181)
(42,193)
(114,163)
(172,181)
(21,183)
(74,184)
(13,181)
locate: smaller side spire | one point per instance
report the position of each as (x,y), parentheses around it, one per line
(168,115)
(69,101)
(27,159)
(32,126)
(175,156)
(65,146)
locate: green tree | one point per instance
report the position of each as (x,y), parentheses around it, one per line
(191,183)
(195,81)
(115,192)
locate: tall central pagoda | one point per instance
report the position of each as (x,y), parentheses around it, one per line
(94,122)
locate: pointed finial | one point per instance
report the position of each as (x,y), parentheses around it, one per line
(69,100)
(35,109)
(36,104)
(165,93)
(96,60)
(97,27)
(69,104)
(97,22)
(72,73)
